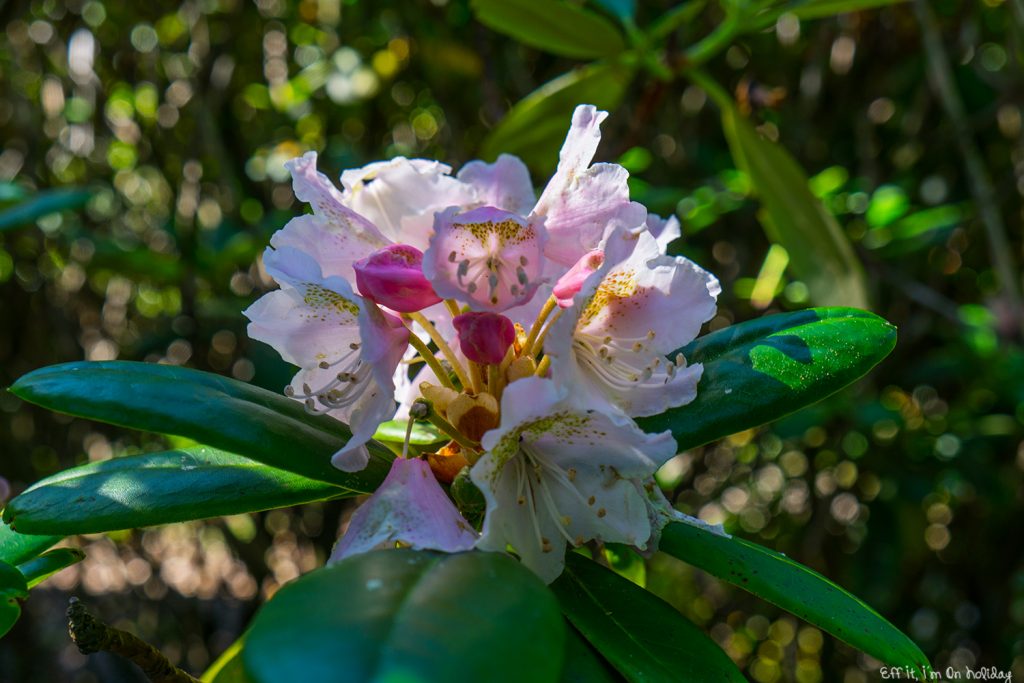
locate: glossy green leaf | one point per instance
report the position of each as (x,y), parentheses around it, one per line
(158,488)
(213,410)
(816,9)
(42,204)
(554,26)
(795,588)
(764,369)
(228,668)
(820,253)
(16,548)
(13,590)
(642,636)
(423,433)
(536,126)
(623,10)
(39,569)
(403,615)
(582,662)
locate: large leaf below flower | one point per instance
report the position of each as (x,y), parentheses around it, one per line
(794,588)
(764,369)
(213,410)
(158,488)
(43,204)
(39,569)
(13,590)
(403,615)
(643,637)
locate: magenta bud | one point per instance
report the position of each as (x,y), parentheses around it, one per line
(393,277)
(484,337)
(569,284)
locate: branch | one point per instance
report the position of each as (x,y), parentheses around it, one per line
(92,635)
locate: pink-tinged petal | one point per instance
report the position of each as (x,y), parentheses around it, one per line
(402,195)
(582,203)
(393,277)
(344,236)
(488,258)
(505,184)
(569,284)
(411,508)
(484,337)
(638,307)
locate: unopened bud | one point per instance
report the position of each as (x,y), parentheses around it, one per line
(570,284)
(473,416)
(393,277)
(520,368)
(484,337)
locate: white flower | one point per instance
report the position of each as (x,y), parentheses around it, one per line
(553,474)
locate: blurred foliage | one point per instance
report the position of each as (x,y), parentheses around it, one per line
(171,122)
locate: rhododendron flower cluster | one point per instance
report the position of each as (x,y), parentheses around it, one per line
(530,331)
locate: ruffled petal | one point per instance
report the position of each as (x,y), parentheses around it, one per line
(402,195)
(505,184)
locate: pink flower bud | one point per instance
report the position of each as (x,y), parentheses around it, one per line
(393,277)
(570,283)
(484,337)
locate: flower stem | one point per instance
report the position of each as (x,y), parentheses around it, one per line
(446,350)
(431,360)
(453,307)
(476,377)
(494,383)
(543,366)
(545,311)
(539,344)
(445,426)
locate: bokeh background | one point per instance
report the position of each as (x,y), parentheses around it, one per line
(163,127)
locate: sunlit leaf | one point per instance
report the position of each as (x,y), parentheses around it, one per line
(228,668)
(820,253)
(423,433)
(38,569)
(623,10)
(763,369)
(641,635)
(403,615)
(213,410)
(553,26)
(158,488)
(42,204)
(795,588)
(536,126)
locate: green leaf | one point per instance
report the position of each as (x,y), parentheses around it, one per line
(764,369)
(213,410)
(820,253)
(582,663)
(228,668)
(816,9)
(158,488)
(16,548)
(554,26)
(795,588)
(423,433)
(42,204)
(623,10)
(642,636)
(13,590)
(403,615)
(38,569)
(536,126)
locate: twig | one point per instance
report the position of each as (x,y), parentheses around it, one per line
(941,76)
(92,635)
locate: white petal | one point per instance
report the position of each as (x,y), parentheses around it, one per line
(505,184)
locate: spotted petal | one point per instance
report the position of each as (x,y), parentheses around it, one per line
(489,258)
